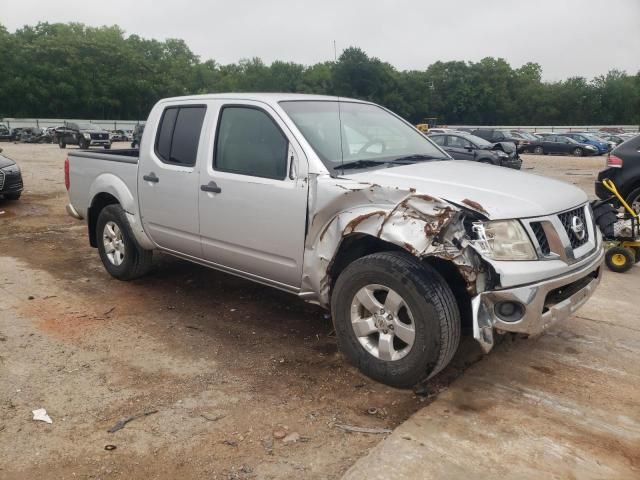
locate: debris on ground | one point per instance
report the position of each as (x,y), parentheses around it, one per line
(120,425)
(110,447)
(354,429)
(41,415)
(291,438)
(279,434)
(213,418)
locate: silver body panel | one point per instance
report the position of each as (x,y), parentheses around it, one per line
(285,233)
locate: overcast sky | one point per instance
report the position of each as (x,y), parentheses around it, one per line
(566,37)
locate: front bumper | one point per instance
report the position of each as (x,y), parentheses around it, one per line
(101,143)
(544,303)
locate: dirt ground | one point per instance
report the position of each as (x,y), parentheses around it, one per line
(224,368)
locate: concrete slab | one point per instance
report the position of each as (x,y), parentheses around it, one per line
(565,405)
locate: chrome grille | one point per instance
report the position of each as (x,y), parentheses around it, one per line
(566,219)
(541,237)
(1,179)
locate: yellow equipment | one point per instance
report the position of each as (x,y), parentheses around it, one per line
(623,251)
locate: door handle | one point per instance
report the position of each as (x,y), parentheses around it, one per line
(211,187)
(151,178)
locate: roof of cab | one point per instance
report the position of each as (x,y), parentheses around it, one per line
(265,97)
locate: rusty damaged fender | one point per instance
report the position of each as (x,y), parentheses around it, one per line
(421,224)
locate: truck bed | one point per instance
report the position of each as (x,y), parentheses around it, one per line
(109,171)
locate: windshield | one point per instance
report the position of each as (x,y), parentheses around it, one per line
(480,142)
(349,132)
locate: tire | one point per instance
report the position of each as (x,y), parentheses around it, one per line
(428,304)
(633,199)
(636,251)
(128,260)
(12,196)
(61,143)
(577,152)
(606,216)
(107,147)
(82,143)
(619,259)
(538,150)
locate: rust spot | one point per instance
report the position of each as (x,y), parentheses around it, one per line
(410,248)
(351,226)
(475,206)
(428,198)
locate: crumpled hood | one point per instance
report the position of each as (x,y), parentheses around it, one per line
(498,192)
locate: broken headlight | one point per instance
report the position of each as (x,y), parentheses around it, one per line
(503,240)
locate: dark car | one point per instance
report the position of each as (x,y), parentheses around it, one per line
(623,168)
(84,135)
(589,139)
(10,179)
(15,133)
(555,144)
(463,146)
(495,135)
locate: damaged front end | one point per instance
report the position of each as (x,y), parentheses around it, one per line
(423,225)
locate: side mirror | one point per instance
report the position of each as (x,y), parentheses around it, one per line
(469,148)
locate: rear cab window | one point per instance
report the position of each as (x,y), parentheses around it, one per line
(178,134)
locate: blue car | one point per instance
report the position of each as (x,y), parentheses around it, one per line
(587,138)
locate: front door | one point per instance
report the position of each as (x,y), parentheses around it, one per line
(253,196)
(168,182)
(460,148)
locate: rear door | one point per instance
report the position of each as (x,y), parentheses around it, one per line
(253,196)
(168,179)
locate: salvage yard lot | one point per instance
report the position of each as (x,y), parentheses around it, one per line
(230,367)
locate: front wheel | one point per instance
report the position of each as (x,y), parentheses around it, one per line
(121,255)
(107,147)
(83,144)
(577,152)
(396,318)
(633,199)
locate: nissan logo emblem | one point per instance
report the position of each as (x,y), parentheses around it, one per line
(577,227)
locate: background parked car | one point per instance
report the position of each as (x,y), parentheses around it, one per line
(495,135)
(137,135)
(623,168)
(586,138)
(555,144)
(5,133)
(10,179)
(15,133)
(611,138)
(464,146)
(84,135)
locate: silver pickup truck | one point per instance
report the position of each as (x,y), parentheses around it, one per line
(348,206)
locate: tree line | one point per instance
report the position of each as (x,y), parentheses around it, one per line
(76,71)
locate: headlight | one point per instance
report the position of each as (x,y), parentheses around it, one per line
(500,153)
(503,240)
(11,169)
(87,136)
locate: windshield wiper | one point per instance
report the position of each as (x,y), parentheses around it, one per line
(416,157)
(360,164)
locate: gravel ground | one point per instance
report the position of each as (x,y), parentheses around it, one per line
(227,367)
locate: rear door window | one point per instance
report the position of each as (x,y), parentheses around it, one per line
(179,134)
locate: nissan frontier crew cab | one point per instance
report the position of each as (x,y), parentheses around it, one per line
(348,206)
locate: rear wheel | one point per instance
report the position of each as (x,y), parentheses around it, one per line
(396,319)
(121,255)
(633,199)
(620,259)
(83,144)
(538,150)
(577,152)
